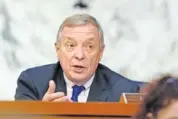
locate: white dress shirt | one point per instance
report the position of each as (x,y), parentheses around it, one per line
(84,94)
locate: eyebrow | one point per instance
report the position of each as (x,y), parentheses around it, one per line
(92,38)
(68,38)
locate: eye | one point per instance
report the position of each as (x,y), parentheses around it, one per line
(69,46)
(89,47)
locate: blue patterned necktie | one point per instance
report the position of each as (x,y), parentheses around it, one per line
(76,91)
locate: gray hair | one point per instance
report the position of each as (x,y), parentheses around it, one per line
(81,19)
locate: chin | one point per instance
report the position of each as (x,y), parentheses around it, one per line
(78,78)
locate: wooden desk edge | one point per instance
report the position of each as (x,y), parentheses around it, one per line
(90,108)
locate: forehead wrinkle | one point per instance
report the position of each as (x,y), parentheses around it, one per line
(79,32)
(83,32)
(86,40)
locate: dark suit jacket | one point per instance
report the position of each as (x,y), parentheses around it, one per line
(107,86)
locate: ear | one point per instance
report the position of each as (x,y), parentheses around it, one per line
(57,47)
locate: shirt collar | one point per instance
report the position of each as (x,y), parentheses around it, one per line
(86,85)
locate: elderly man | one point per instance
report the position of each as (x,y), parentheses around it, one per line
(77,76)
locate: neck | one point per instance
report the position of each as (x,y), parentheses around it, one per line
(78,82)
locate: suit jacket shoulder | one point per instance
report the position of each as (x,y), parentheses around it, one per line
(33,82)
(113,77)
(115,83)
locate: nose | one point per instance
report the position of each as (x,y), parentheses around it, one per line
(79,54)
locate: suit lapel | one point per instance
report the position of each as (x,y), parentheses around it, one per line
(98,90)
(59,80)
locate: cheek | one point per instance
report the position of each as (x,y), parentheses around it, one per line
(65,58)
(94,59)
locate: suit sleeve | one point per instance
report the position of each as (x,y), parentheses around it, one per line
(26,89)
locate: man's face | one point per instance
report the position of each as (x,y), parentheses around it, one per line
(79,52)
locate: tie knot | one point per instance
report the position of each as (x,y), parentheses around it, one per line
(76,91)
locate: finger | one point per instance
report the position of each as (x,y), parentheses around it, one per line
(54,96)
(63,99)
(52,87)
(51,97)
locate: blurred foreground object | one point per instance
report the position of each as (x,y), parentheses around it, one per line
(161,100)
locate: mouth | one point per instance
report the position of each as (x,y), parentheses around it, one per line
(78,68)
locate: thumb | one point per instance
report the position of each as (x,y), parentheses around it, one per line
(52,87)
